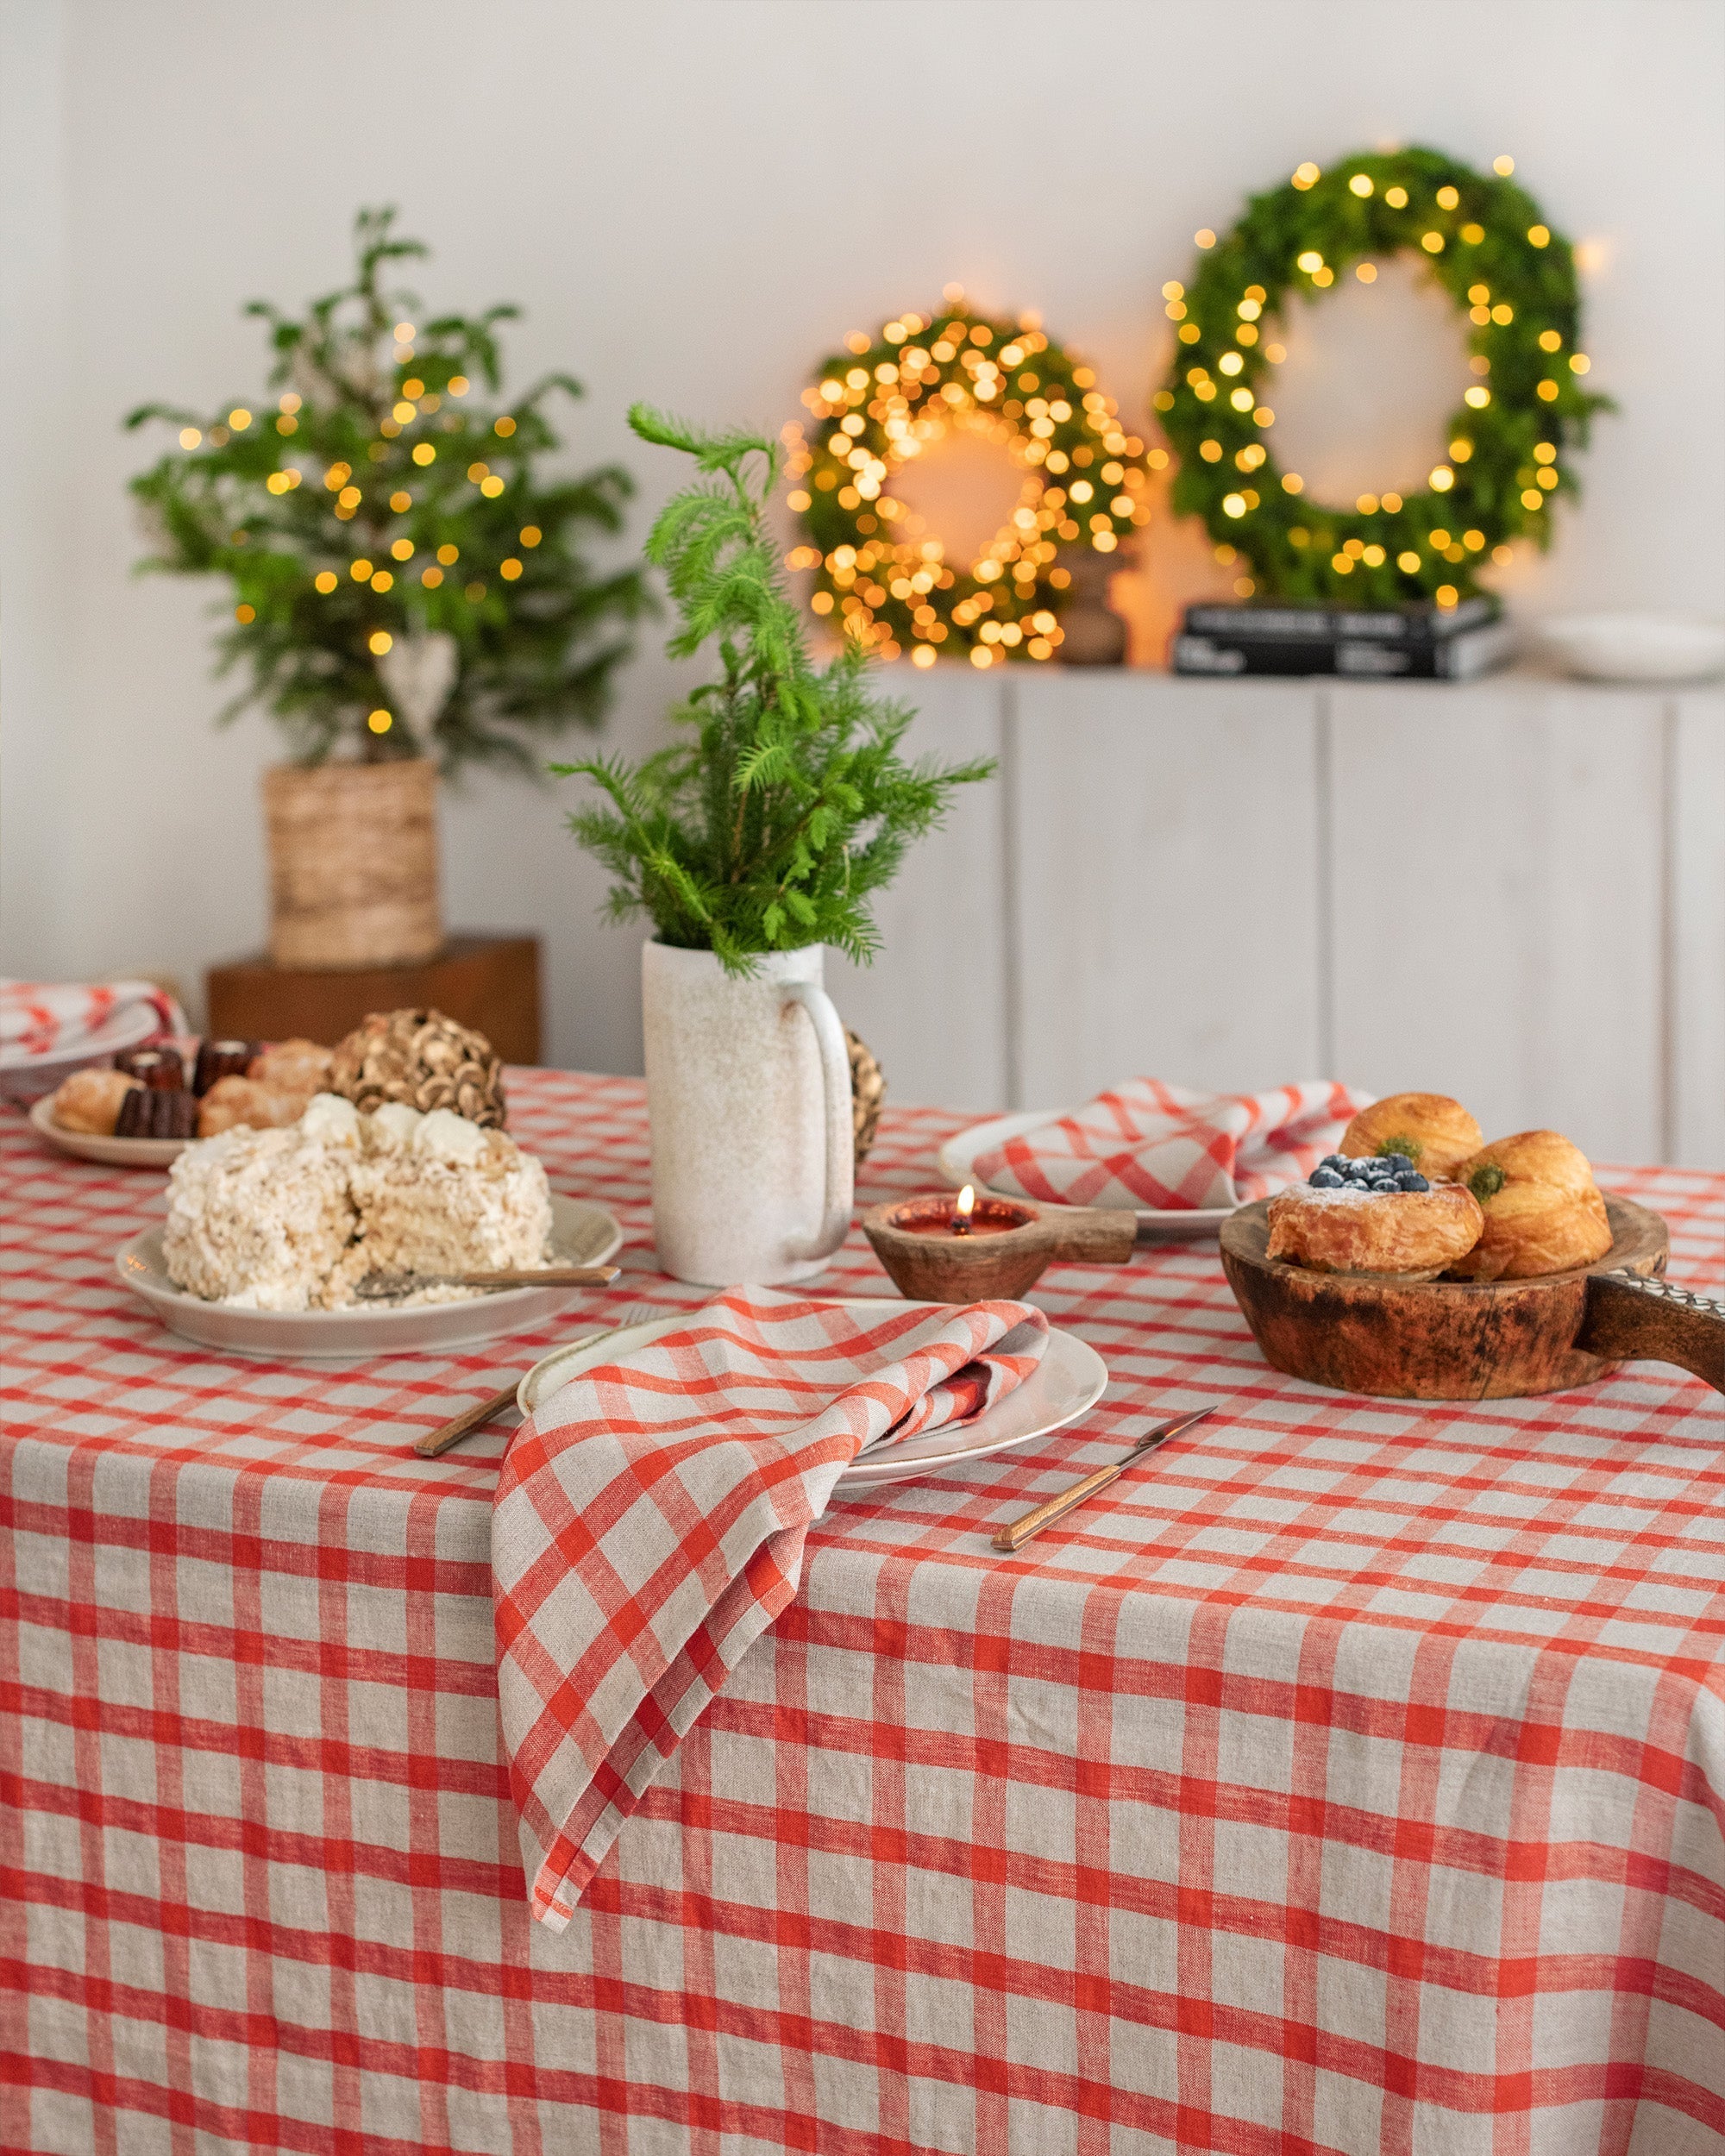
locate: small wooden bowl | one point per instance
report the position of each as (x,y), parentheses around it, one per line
(946,1268)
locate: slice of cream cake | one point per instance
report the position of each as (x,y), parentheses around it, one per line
(261,1218)
(292,1220)
(436,1193)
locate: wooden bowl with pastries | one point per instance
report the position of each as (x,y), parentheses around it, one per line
(1546,1281)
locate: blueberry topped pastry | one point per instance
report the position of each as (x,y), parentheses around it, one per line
(1380,1172)
(1373,1213)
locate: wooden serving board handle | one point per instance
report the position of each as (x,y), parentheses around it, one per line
(1636,1317)
(1088,1235)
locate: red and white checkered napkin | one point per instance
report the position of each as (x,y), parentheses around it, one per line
(50,1017)
(650,1523)
(1147,1144)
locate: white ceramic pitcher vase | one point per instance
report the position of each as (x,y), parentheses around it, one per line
(748,1096)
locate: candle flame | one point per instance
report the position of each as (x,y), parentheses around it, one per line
(967,1202)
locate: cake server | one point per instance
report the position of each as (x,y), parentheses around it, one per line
(1017,1532)
(381,1286)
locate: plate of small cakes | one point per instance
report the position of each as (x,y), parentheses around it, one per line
(276,1237)
(1417,1261)
(151,1102)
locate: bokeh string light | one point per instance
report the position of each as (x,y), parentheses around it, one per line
(880,575)
(403,428)
(1508,443)
(336,503)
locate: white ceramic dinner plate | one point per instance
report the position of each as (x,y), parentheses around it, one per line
(112,1152)
(1069,1379)
(581,1234)
(22,1077)
(957,1157)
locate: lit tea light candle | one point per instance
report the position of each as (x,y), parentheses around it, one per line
(965,1248)
(966,1215)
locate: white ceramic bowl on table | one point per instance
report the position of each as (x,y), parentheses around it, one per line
(1068,1379)
(957,1162)
(1642,647)
(581,1234)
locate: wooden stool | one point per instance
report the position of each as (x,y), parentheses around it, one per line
(489,982)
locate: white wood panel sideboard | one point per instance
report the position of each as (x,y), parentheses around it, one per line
(1512,890)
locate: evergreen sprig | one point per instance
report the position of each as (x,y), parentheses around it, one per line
(775,824)
(275,499)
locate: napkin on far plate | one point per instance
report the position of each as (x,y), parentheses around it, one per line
(57,1017)
(1162,1149)
(650,1523)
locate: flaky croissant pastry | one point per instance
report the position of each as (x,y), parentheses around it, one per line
(1543,1210)
(1413,1234)
(1435,1132)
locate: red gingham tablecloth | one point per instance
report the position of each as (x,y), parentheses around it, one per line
(1351,1778)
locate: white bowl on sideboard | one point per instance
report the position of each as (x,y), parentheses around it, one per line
(1635,647)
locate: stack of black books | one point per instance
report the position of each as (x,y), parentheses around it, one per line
(1453,643)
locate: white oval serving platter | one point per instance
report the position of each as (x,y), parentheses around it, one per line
(957,1157)
(581,1234)
(1069,1379)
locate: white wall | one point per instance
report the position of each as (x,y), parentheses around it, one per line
(692,201)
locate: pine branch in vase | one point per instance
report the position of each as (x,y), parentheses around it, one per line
(786,806)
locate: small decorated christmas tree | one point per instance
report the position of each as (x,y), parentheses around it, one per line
(407,581)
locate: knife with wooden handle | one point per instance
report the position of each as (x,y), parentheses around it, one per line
(1017,1532)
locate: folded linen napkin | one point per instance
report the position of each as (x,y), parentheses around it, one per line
(1143,1144)
(55,1018)
(650,1523)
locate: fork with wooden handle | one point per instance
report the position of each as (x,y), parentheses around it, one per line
(383,1286)
(465,1424)
(1017,1532)
(475,1418)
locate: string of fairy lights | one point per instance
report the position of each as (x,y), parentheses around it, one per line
(883,579)
(1521,412)
(393,516)
(886,580)
(881,576)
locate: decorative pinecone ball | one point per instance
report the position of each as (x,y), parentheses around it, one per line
(867,1091)
(424,1059)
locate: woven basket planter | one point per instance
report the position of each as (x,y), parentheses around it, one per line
(352,863)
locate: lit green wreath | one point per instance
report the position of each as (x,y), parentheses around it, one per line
(1524,411)
(880,405)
